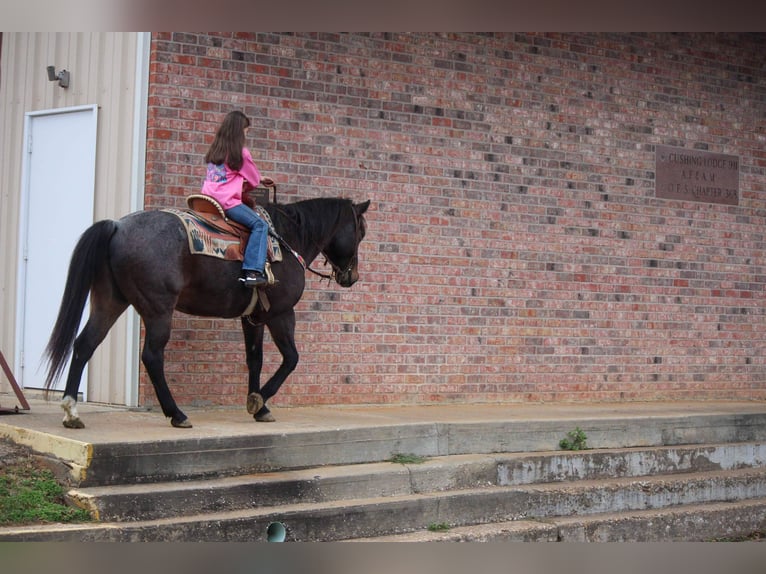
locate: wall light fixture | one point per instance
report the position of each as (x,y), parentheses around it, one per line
(62,76)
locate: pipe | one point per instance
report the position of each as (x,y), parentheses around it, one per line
(276,532)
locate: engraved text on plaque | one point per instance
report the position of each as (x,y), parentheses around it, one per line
(694,175)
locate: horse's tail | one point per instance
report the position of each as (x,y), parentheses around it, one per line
(89,257)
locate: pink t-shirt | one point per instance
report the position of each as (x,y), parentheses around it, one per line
(225,185)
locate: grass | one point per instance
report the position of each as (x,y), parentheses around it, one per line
(439,527)
(407,458)
(32,495)
(575,440)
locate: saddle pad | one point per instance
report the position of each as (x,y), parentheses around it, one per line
(205,239)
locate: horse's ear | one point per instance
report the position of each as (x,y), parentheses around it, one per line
(362,207)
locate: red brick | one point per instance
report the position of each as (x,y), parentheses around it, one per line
(516,250)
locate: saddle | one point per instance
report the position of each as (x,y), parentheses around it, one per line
(211,233)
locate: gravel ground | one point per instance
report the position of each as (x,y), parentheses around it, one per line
(12,453)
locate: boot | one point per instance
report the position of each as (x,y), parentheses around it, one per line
(254,279)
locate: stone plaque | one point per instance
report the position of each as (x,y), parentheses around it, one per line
(694,175)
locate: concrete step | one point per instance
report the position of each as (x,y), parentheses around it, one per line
(398,514)
(492,469)
(329,483)
(689,523)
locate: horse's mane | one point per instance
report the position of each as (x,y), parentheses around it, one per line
(308,218)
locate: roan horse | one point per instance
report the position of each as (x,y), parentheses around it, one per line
(144,260)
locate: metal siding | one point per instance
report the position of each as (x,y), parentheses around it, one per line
(13,82)
(102,66)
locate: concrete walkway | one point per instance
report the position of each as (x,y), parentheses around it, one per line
(108,424)
(41,428)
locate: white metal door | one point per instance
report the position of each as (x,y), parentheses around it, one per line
(57,206)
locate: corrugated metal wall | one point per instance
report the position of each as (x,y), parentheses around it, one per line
(108,69)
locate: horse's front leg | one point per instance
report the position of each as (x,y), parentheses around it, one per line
(254,360)
(282,331)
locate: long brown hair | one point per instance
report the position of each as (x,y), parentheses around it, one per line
(229,141)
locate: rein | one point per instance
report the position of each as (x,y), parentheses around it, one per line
(297,255)
(328,276)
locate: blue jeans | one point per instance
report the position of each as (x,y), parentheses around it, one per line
(255,252)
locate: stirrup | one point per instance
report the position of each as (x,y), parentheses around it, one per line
(254,279)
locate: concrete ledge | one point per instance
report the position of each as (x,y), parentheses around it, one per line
(73,456)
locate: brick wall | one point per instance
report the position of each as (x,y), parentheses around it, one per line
(516,249)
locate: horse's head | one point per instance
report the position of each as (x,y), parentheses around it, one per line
(342,250)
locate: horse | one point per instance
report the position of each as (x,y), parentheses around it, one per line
(144,260)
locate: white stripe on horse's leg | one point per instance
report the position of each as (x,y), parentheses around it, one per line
(71,417)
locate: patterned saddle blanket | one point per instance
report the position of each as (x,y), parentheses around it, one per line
(211,233)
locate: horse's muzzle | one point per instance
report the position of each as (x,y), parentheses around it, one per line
(347,278)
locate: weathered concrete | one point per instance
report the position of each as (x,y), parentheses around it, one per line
(692,523)
(613,463)
(229,478)
(330,483)
(376,516)
(119,446)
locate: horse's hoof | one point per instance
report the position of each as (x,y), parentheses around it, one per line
(184,424)
(74,423)
(71,418)
(254,403)
(265,418)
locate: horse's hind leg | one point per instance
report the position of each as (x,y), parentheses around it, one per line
(153,357)
(103,314)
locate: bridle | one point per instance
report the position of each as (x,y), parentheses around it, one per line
(335,269)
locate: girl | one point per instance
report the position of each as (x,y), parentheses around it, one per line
(230,172)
